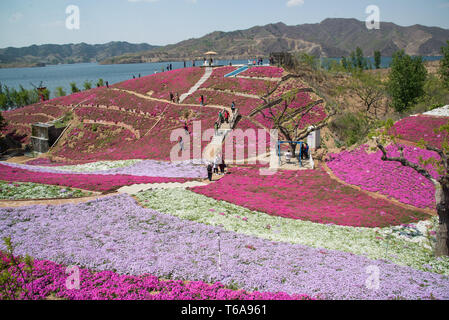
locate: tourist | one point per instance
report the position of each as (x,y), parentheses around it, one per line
(134,77)
(186,128)
(233,107)
(209,171)
(193,62)
(181,144)
(171,67)
(217,161)
(185,64)
(226,116)
(288,156)
(222,166)
(220,117)
(305,151)
(107,84)
(202,100)
(171,96)
(177,97)
(139,75)
(216,126)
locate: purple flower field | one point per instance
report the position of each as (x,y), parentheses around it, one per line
(116,234)
(147,168)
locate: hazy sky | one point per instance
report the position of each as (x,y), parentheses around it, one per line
(161,22)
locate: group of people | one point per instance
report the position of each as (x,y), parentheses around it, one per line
(210,62)
(212,168)
(304,152)
(223,116)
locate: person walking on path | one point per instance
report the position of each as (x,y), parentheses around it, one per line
(209,171)
(216,126)
(202,100)
(107,84)
(181,144)
(186,128)
(233,107)
(222,166)
(226,116)
(220,117)
(177,98)
(171,96)
(217,162)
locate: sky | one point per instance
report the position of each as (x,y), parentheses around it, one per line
(162,22)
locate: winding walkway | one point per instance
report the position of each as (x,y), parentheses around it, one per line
(203,79)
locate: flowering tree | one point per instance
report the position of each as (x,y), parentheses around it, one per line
(296,123)
(441,184)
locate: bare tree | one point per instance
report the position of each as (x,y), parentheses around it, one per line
(288,120)
(441,184)
(370,90)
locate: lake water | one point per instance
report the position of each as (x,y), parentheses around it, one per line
(62,75)
(54,76)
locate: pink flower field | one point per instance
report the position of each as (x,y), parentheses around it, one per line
(161,84)
(263,72)
(222,71)
(79,181)
(244,104)
(306,195)
(93,142)
(391,179)
(314,116)
(249,86)
(421,127)
(49,279)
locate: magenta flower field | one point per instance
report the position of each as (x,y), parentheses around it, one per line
(244,104)
(50,280)
(161,84)
(94,182)
(368,171)
(302,100)
(421,127)
(306,195)
(263,72)
(240,85)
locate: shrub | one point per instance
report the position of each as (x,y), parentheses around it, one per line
(351,128)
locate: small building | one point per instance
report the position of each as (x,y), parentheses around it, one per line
(314,139)
(43,136)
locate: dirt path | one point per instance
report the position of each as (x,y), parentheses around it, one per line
(377,195)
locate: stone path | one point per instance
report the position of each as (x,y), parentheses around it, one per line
(134,189)
(203,79)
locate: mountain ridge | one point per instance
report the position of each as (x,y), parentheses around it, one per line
(37,55)
(332,37)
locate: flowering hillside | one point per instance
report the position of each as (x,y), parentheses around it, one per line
(307,195)
(240,85)
(316,115)
(263,72)
(161,84)
(368,171)
(421,127)
(244,104)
